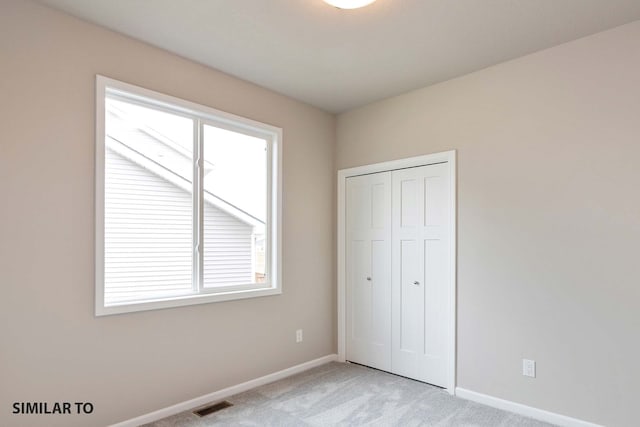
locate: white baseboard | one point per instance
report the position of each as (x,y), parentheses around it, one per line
(224,393)
(518,408)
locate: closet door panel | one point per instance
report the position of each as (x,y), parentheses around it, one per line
(411,297)
(420,272)
(361,301)
(368,263)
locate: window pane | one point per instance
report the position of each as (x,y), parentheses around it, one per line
(235,208)
(148,203)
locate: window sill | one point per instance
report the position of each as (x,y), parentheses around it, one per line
(180,301)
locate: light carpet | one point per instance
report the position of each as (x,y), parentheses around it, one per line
(342,394)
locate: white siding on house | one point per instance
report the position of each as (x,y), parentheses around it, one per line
(227,249)
(148,237)
(148,233)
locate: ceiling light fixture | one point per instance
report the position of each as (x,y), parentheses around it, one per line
(349,4)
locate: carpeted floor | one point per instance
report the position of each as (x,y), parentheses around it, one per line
(339,394)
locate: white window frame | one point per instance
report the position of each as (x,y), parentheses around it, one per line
(204,116)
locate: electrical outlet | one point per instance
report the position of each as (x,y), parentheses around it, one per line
(299,335)
(529,368)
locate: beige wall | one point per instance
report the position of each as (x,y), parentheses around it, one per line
(548,217)
(52,346)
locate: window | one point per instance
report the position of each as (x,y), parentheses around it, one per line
(187,202)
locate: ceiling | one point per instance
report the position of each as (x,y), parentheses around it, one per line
(341,59)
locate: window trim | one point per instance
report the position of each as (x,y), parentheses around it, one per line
(206,116)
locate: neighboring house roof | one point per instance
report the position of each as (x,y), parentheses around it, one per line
(165,158)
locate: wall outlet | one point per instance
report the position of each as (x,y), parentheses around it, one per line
(299,335)
(529,368)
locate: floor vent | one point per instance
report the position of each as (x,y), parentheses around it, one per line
(210,409)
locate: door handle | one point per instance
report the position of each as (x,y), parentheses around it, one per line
(369,279)
(416,283)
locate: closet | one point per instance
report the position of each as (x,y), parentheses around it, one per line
(397,271)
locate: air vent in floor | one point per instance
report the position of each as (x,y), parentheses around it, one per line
(210,409)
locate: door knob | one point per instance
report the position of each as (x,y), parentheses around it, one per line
(416,283)
(369,279)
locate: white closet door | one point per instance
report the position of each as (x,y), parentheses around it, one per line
(420,247)
(368,270)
